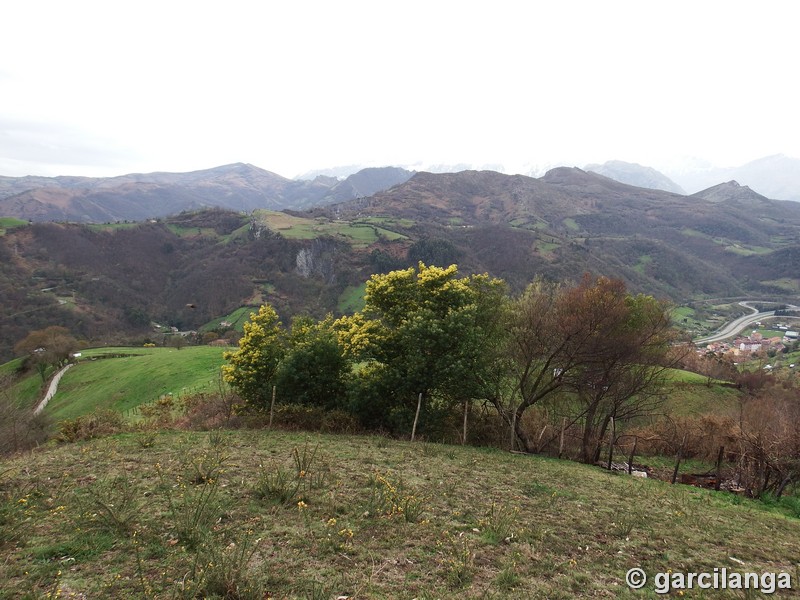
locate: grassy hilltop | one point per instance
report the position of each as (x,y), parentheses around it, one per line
(281,515)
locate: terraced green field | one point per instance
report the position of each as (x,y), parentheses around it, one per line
(358,234)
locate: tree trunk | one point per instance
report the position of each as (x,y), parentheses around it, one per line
(678,459)
(598,441)
(588,432)
(719,468)
(611,443)
(525,441)
(782,487)
(633,454)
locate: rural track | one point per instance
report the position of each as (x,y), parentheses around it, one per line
(51,391)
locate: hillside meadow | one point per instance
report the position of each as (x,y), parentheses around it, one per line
(273,514)
(122,378)
(134,376)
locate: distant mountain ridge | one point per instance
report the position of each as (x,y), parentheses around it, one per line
(635,174)
(776,177)
(731,192)
(244,187)
(140,196)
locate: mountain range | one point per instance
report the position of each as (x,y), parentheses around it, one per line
(244,187)
(110,282)
(135,197)
(775,176)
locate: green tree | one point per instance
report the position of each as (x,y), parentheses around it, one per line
(177,341)
(422,332)
(314,369)
(251,369)
(48,347)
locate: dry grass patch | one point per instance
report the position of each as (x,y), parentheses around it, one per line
(189,515)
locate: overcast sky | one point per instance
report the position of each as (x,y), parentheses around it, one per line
(113,87)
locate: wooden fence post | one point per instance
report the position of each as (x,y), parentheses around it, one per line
(416,417)
(561,440)
(633,453)
(466,412)
(719,467)
(272,407)
(678,460)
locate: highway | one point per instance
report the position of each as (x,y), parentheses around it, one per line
(734,327)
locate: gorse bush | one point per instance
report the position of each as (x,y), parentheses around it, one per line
(112,505)
(287,485)
(193,509)
(223,571)
(389,499)
(499,524)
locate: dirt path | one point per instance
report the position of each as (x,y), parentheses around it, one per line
(51,391)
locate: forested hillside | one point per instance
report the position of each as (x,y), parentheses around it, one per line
(111,282)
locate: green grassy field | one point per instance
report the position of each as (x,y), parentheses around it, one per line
(571,224)
(9,368)
(27,390)
(7,223)
(359,234)
(183,231)
(686,399)
(352,299)
(123,383)
(641,264)
(767,333)
(237,318)
(787,283)
(268,514)
(389,222)
(747,250)
(112,226)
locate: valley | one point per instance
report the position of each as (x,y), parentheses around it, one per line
(110,281)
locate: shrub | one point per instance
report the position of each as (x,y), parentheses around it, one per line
(102,422)
(111,505)
(20,429)
(205,412)
(312,418)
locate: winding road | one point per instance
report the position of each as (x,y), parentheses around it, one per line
(51,391)
(734,327)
